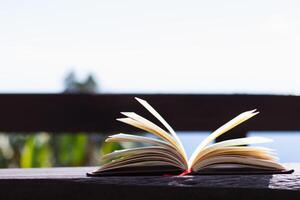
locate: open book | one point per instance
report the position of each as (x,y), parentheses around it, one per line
(165,154)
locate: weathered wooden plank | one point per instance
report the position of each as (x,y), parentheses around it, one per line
(277,181)
(188,112)
(71,183)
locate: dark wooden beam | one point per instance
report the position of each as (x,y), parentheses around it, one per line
(72,183)
(188,112)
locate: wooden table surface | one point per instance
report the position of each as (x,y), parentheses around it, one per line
(72,183)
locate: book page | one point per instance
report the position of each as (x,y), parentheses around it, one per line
(150,129)
(144,124)
(138,159)
(164,122)
(223,129)
(244,160)
(138,155)
(121,137)
(138,164)
(230,143)
(254,152)
(132,151)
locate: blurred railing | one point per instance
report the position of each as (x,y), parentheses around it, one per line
(185,112)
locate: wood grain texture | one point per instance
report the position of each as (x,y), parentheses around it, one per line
(185,112)
(71,183)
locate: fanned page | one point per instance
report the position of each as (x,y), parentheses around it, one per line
(230,153)
(223,129)
(166,151)
(165,154)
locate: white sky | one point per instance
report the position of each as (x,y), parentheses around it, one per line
(152,46)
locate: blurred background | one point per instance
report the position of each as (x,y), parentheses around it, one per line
(244,47)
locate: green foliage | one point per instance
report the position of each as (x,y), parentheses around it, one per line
(47,150)
(110,147)
(36,151)
(71,149)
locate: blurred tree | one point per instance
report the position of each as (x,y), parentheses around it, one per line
(76,149)
(72,85)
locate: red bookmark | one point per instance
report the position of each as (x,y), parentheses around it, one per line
(185,172)
(182,174)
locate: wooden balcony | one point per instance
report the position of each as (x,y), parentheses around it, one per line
(185,112)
